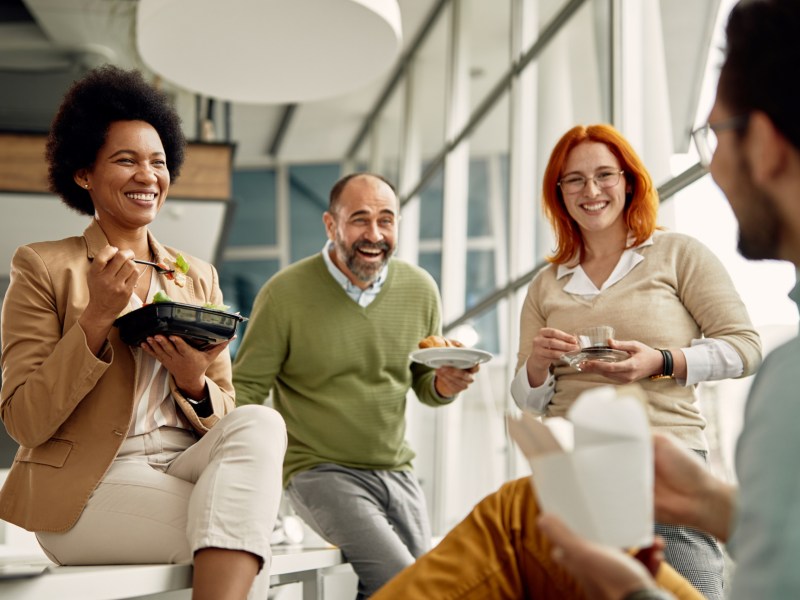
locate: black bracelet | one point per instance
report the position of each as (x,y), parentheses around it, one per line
(202,408)
(649,594)
(669,365)
(667,372)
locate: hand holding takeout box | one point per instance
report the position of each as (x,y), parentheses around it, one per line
(599,482)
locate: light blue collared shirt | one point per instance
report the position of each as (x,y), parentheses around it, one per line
(359,296)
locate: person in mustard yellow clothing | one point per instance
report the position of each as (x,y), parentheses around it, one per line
(499,552)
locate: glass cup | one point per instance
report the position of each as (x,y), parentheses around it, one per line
(594,338)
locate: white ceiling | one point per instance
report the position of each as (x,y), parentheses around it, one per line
(46,44)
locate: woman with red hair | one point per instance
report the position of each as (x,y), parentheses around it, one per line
(677,317)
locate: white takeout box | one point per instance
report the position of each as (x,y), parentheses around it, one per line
(602,488)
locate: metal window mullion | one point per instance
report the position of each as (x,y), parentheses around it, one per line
(376,150)
(410,169)
(454,251)
(522,213)
(616,62)
(283,220)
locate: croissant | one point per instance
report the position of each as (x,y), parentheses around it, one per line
(437,341)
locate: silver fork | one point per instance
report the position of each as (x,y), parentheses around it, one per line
(159,268)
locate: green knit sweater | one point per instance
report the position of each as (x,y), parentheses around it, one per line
(339,372)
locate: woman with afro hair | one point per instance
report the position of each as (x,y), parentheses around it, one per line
(128,454)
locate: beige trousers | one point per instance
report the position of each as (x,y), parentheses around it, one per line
(168,495)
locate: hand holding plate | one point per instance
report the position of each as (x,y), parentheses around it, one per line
(187,364)
(450,381)
(641,362)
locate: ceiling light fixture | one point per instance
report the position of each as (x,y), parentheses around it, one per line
(269,51)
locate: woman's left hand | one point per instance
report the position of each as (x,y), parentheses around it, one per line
(187,364)
(643,362)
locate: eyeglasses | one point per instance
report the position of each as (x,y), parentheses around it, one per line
(573,184)
(705,137)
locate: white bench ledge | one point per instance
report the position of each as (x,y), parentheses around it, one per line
(291,559)
(118,582)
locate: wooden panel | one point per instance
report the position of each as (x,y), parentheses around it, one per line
(22,166)
(206,172)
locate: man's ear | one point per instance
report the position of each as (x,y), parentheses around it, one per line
(330,225)
(766,147)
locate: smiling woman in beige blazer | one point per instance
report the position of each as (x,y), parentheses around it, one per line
(128,454)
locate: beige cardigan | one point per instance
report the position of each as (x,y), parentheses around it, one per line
(68,409)
(679,292)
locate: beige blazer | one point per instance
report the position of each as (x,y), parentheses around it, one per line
(68,409)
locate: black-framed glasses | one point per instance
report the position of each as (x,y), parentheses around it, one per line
(705,137)
(573,184)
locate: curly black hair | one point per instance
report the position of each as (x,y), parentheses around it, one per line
(105,95)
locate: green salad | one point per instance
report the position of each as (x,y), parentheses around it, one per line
(160,296)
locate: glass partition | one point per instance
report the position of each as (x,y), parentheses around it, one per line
(309,186)
(430,77)
(380,151)
(431,198)
(489,47)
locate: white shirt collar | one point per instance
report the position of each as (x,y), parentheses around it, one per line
(581,285)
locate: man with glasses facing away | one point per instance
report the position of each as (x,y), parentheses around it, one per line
(751,146)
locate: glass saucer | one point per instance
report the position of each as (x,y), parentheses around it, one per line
(573,359)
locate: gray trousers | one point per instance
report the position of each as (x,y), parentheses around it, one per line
(377,518)
(695,554)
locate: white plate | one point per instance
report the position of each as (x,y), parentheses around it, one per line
(573,359)
(461,358)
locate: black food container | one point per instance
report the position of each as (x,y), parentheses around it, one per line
(199,326)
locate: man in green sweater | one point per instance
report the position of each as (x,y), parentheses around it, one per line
(330,337)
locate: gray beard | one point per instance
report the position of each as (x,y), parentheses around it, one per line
(365,272)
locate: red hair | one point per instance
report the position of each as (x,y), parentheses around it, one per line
(641,203)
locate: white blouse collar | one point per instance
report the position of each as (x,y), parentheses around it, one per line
(581,285)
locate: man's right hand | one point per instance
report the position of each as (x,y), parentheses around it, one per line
(686,493)
(603,572)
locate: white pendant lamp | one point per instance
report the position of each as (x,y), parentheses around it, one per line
(269,51)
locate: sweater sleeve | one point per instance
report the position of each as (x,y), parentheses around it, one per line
(707,291)
(422,377)
(262,350)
